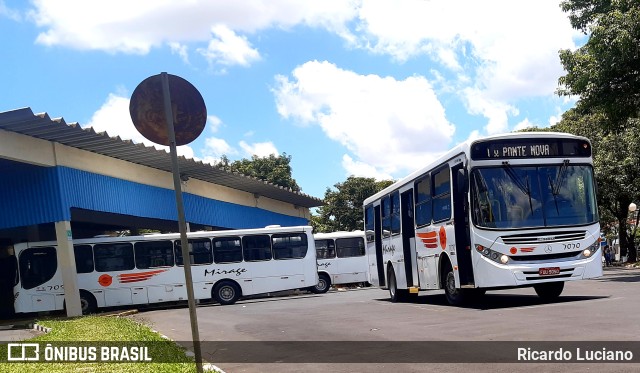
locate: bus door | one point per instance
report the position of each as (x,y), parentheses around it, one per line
(408,237)
(378,240)
(461,219)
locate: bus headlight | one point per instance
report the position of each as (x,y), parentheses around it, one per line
(492,255)
(590,251)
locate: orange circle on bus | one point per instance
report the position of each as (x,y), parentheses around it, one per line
(105,280)
(443,237)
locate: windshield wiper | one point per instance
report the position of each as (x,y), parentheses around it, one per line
(555,188)
(524,187)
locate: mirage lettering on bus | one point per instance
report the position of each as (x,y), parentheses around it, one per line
(215,271)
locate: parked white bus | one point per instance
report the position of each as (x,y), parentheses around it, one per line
(505,211)
(341,259)
(119,271)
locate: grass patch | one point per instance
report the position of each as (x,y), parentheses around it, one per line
(102,329)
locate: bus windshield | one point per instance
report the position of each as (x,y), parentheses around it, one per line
(508,196)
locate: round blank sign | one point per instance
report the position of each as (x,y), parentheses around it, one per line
(148,115)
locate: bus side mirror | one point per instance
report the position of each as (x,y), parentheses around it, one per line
(463,181)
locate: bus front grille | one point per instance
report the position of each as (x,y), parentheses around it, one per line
(543,237)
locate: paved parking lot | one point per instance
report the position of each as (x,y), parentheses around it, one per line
(604,309)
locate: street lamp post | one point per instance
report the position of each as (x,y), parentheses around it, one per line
(634,225)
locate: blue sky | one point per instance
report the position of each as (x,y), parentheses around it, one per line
(369,88)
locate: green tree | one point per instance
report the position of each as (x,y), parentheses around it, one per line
(343,205)
(605,71)
(605,74)
(616,167)
(274,169)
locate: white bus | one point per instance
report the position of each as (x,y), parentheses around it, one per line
(507,211)
(120,271)
(341,259)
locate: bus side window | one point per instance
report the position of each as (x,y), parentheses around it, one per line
(423,201)
(369,223)
(199,251)
(325,249)
(289,246)
(227,250)
(151,254)
(442,195)
(256,248)
(395,212)
(350,247)
(84,258)
(113,257)
(386,216)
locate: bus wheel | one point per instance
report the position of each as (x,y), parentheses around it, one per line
(395,294)
(455,296)
(226,292)
(88,302)
(549,290)
(324,283)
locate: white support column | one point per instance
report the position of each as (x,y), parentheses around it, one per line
(67,267)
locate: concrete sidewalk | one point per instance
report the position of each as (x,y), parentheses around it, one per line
(17,330)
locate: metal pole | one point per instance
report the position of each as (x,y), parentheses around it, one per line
(186,258)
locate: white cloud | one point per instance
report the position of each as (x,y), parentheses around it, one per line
(227,49)
(395,125)
(214,123)
(215,148)
(526,123)
(496,111)
(114,119)
(181,50)
(362,169)
(137,26)
(498,51)
(502,50)
(261,149)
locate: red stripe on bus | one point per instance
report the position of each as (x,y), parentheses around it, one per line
(150,273)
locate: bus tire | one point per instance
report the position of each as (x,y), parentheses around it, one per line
(455,297)
(549,290)
(226,292)
(88,302)
(324,283)
(395,294)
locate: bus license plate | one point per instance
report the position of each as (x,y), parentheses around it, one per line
(549,271)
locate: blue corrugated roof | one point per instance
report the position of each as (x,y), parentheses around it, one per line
(41,126)
(35,195)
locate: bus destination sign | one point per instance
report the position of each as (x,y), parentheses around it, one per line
(530,148)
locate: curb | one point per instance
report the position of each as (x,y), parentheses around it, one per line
(207,367)
(40,328)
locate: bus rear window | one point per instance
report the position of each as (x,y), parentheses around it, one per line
(37,266)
